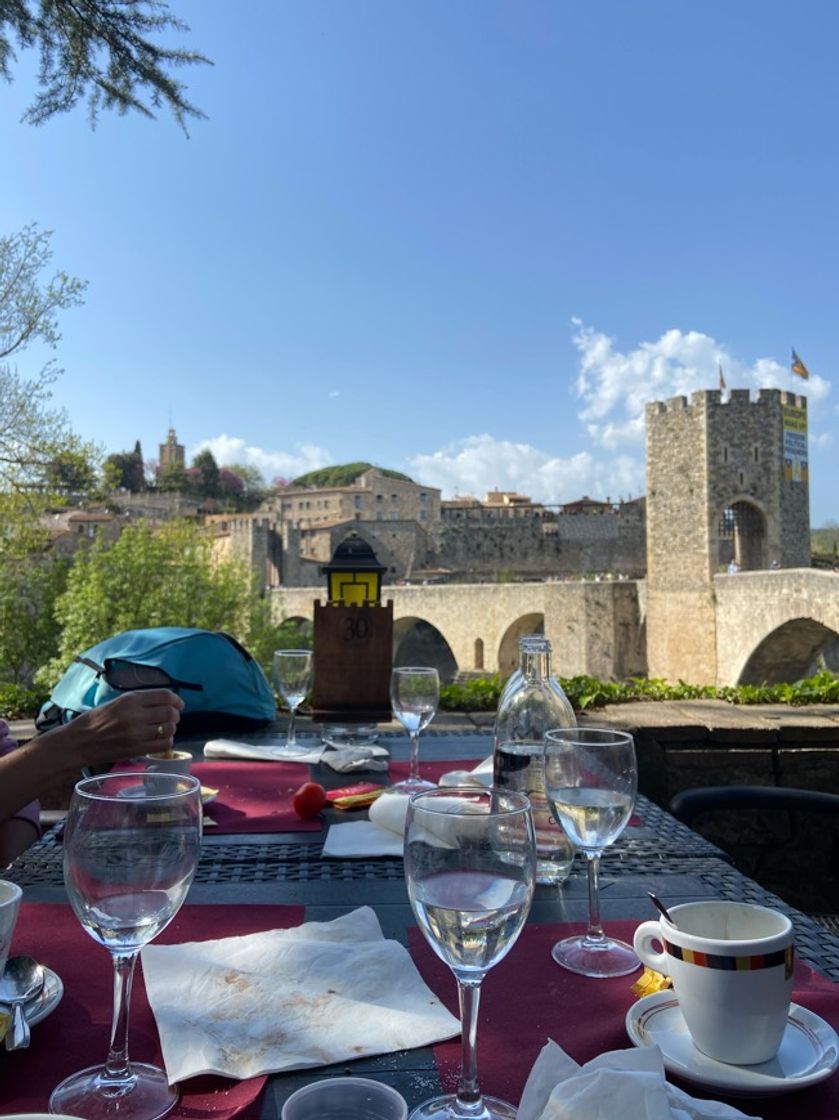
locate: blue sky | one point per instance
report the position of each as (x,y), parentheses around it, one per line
(466,239)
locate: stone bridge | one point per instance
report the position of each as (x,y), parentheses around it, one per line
(769,625)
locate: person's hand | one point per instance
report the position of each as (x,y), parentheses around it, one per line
(141,722)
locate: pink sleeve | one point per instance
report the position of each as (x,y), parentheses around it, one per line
(32,811)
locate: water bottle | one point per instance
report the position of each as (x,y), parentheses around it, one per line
(531,703)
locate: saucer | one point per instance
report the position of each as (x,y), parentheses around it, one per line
(809,1051)
(47,999)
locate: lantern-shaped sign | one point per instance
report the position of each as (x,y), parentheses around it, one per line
(353,639)
(354,575)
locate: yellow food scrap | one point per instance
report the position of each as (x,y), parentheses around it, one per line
(651,981)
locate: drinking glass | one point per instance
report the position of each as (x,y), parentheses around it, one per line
(470,868)
(130,854)
(414,696)
(591,779)
(292,670)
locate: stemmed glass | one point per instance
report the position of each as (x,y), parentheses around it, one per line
(591,779)
(292,671)
(414,696)
(470,868)
(131,848)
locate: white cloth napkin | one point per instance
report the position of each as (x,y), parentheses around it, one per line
(262,752)
(618,1083)
(289,999)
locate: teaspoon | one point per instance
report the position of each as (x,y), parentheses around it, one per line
(662,909)
(22,980)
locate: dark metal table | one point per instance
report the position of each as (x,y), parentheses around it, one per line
(658,854)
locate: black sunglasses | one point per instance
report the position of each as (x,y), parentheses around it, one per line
(129,676)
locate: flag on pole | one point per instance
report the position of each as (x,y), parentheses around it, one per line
(722,380)
(799,367)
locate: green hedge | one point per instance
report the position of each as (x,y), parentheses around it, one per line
(481,695)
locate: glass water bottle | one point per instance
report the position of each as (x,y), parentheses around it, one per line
(531,703)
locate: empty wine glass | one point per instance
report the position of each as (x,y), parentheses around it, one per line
(470,868)
(591,779)
(130,854)
(292,671)
(414,696)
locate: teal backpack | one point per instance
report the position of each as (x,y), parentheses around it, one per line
(222,686)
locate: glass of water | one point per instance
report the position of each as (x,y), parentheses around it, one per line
(591,779)
(130,854)
(470,868)
(292,671)
(414,696)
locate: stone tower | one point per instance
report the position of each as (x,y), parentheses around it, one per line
(171,452)
(727,490)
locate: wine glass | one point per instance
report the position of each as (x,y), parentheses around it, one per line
(414,696)
(292,670)
(470,868)
(591,779)
(130,853)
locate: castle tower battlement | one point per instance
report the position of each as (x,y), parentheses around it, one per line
(727,489)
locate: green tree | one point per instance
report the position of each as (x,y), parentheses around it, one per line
(175,478)
(126,470)
(99,49)
(29,631)
(157,577)
(206,480)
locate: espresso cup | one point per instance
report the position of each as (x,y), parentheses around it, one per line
(10,896)
(731,966)
(169,762)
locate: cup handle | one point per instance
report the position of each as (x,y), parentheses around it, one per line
(642,942)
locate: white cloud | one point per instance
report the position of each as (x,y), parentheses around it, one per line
(271,464)
(614,387)
(477,464)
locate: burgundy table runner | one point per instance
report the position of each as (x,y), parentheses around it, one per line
(76,1034)
(254,796)
(527,999)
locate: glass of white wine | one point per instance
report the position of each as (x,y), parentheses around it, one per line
(414,696)
(591,778)
(130,854)
(470,868)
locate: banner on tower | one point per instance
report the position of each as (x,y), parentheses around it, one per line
(795,444)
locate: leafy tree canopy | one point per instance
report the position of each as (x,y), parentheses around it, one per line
(157,577)
(104,50)
(344,475)
(34,437)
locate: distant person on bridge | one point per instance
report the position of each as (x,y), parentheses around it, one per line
(733,568)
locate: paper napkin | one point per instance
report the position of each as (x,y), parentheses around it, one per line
(262,752)
(348,759)
(289,999)
(614,1084)
(481,775)
(381,835)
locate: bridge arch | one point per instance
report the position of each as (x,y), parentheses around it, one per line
(418,642)
(788,653)
(508,649)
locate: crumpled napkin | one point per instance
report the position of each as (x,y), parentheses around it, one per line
(347,759)
(481,775)
(617,1083)
(289,999)
(262,752)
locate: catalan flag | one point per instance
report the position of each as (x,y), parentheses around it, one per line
(722,380)
(799,367)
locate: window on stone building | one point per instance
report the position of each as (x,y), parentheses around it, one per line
(423,496)
(756,450)
(725,454)
(423,514)
(394,497)
(479,653)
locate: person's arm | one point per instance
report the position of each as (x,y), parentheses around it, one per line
(135,723)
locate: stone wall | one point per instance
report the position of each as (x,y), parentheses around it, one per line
(704,743)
